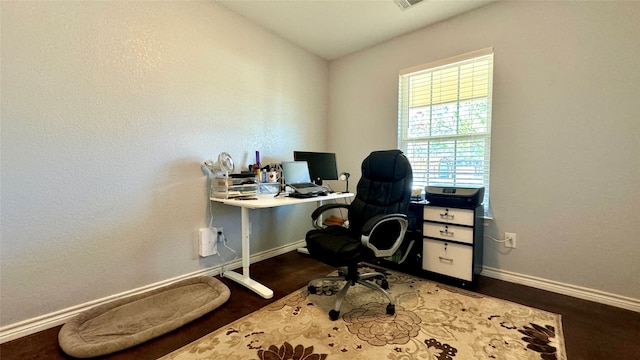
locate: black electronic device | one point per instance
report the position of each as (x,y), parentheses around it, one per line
(454,196)
(345,177)
(322,165)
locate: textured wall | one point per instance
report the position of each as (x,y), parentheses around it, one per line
(108,109)
(565,162)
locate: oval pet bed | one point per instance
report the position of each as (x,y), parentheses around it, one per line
(128,322)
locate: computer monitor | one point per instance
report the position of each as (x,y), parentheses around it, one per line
(322,165)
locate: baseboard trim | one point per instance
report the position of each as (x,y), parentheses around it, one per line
(47,321)
(564,289)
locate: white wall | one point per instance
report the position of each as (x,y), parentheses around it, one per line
(108,110)
(565,164)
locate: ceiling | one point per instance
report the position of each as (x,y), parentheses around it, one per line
(335,28)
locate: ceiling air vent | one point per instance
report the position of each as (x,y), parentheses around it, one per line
(405,4)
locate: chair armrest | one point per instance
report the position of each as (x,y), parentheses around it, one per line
(317,213)
(373,224)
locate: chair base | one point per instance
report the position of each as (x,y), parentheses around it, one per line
(352,277)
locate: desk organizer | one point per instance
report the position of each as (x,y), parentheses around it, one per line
(229,186)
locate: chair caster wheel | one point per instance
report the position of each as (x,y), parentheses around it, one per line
(312,289)
(391,309)
(334,315)
(384,284)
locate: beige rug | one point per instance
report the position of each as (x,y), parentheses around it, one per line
(432,321)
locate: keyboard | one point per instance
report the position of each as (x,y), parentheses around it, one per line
(304,185)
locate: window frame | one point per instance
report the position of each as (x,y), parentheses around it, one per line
(432,94)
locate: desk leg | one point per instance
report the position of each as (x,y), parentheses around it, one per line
(244,279)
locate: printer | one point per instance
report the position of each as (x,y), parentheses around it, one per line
(460,197)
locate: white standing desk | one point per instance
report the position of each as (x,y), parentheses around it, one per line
(263,201)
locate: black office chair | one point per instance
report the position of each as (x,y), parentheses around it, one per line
(377,222)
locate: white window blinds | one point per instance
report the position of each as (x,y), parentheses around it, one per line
(444,120)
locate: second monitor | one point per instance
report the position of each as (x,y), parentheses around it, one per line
(322,165)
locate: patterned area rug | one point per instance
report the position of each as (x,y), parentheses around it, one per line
(432,321)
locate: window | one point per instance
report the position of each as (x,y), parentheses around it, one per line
(444,120)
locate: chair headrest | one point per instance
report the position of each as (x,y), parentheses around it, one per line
(385,165)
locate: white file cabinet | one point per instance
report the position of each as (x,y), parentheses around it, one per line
(452,242)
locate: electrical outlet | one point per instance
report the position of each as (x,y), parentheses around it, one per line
(208,242)
(511,240)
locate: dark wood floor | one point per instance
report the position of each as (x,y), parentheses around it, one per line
(591,330)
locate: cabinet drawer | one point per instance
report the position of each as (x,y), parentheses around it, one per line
(448,232)
(449,259)
(449,215)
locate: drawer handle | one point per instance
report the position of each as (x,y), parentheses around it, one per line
(445,259)
(447,216)
(446,232)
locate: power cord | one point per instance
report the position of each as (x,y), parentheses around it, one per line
(220,237)
(223,239)
(497,240)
